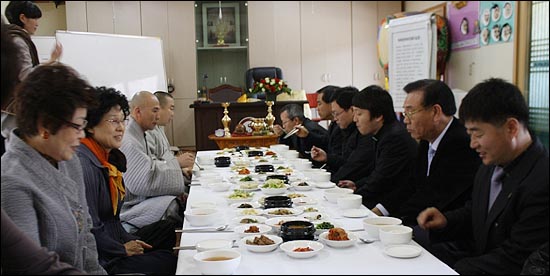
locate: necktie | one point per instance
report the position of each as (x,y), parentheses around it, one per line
(431,153)
(496,185)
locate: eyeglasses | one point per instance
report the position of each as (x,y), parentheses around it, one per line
(286,122)
(336,114)
(117,122)
(409,114)
(76,126)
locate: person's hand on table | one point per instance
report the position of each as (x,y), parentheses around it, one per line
(347,184)
(318,154)
(431,218)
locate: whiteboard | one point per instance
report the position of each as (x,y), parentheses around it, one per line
(127,63)
(44,46)
(412,55)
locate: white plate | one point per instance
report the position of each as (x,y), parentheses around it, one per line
(338,244)
(262,228)
(236,205)
(300,201)
(301,188)
(355,213)
(294,212)
(315,216)
(288,248)
(249,212)
(261,248)
(237,220)
(325,185)
(403,251)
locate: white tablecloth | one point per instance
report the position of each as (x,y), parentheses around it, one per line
(358,259)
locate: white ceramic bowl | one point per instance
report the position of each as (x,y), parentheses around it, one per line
(264,229)
(303,166)
(338,244)
(333,194)
(203,204)
(290,246)
(351,201)
(202,216)
(205,159)
(324,185)
(214,244)
(290,154)
(261,248)
(218,262)
(321,177)
(372,225)
(397,234)
(220,187)
(279,147)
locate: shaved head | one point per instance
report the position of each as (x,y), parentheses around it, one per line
(145,109)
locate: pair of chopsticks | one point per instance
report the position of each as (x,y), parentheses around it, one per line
(292,132)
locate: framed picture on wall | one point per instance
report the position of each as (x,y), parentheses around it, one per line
(221,24)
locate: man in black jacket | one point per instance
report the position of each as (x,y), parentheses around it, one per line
(394,151)
(445,164)
(309,132)
(507,218)
(355,159)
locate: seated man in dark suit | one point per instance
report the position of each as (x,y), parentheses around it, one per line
(445,164)
(507,218)
(309,134)
(355,159)
(325,96)
(393,154)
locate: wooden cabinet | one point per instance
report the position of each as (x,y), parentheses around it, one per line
(326,44)
(335,44)
(275,38)
(208,118)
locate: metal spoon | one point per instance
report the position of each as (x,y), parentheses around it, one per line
(203,229)
(193,247)
(366,240)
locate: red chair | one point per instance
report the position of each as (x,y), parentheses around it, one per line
(312,100)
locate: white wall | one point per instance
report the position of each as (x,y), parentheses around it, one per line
(469,67)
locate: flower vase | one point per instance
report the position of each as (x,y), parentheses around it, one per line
(270,97)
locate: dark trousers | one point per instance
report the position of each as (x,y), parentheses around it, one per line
(158,262)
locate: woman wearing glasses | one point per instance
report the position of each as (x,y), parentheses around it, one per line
(103,164)
(42,186)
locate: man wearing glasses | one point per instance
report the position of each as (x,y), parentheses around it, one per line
(308,133)
(354,161)
(445,164)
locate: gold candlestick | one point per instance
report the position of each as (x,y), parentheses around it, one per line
(270,119)
(226,121)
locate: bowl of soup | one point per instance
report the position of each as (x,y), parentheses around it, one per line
(218,262)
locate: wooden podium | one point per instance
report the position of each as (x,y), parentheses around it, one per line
(251,141)
(208,118)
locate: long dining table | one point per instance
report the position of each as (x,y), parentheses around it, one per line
(361,258)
